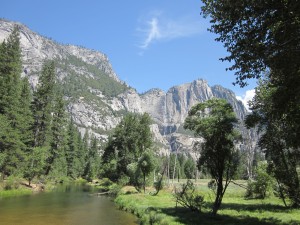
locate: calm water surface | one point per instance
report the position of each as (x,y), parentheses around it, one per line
(67,206)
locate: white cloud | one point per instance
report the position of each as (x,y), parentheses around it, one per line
(153,33)
(159,28)
(246,98)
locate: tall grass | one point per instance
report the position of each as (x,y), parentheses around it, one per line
(14,192)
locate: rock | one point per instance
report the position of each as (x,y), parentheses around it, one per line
(99,108)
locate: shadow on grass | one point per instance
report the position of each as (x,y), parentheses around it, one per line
(254,207)
(187,217)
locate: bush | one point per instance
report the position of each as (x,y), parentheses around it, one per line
(158,185)
(11,183)
(263,185)
(188,197)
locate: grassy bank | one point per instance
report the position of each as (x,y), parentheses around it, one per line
(14,187)
(15,192)
(235,209)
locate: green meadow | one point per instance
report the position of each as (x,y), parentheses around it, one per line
(235,209)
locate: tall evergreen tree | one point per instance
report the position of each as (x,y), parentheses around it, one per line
(10,74)
(92,160)
(75,155)
(58,131)
(11,145)
(25,113)
(43,105)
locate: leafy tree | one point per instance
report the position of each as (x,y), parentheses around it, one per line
(146,164)
(214,120)
(257,35)
(263,37)
(130,139)
(277,141)
(263,185)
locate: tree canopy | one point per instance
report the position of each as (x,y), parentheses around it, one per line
(263,41)
(130,139)
(214,120)
(257,34)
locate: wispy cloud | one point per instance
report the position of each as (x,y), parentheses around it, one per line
(248,96)
(159,28)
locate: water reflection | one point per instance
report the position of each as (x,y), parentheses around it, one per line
(72,205)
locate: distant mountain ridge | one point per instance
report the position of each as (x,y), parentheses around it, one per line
(97,98)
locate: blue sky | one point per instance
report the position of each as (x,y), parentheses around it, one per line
(151,44)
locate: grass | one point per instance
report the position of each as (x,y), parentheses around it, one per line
(14,192)
(235,210)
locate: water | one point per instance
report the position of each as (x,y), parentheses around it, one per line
(66,206)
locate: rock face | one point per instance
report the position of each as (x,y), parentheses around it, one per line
(97,98)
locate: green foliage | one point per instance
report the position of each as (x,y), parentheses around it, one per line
(146,164)
(278,139)
(263,38)
(188,197)
(12,139)
(257,35)
(125,146)
(190,168)
(43,104)
(33,126)
(35,163)
(92,161)
(76,84)
(214,120)
(74,153)
(13,182)
(263,185)
(25,113)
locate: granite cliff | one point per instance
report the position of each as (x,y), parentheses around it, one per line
(97,99)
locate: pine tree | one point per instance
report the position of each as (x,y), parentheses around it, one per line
(25,113)
(75,156)
(43,105)
(58,131)
(92,160)
(10,74)
(11,145)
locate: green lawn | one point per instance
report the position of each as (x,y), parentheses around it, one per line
(235,209)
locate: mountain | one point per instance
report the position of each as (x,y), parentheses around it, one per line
(97,99)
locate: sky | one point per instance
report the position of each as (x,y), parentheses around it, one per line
(150,43)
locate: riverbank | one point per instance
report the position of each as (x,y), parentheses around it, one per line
(14,187)
(161,209)
(20,187)
(17,187)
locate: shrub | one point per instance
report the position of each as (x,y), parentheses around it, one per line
(12,182)
(188,197)
(263,185)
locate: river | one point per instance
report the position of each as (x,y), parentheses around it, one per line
(71,205)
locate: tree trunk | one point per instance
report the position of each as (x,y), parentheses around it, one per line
(144,183)
(219,196)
